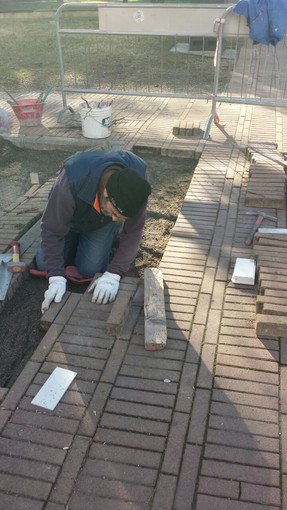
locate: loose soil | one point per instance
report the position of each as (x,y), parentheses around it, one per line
(19,320)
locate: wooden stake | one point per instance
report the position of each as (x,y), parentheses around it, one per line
(155,318)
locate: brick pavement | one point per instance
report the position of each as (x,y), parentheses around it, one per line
(123,438)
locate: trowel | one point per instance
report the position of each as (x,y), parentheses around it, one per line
(5,276)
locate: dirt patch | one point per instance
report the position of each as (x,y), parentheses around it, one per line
(19,332)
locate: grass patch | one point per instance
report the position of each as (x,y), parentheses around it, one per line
(29,57)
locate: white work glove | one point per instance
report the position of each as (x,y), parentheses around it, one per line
(105,288)
(55,291)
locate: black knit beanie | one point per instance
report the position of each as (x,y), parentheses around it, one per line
(127,191)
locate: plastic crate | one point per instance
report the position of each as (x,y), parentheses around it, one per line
(28,112)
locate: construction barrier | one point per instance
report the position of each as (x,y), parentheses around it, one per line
(161,50)
(246,72)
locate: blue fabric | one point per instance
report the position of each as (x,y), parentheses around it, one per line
(266,19)
(89,252)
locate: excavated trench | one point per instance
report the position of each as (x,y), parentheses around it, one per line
(19,319)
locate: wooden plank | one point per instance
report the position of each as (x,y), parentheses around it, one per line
(119,312)
(154,309)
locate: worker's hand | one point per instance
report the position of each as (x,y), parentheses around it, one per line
(55,291)
(105,288)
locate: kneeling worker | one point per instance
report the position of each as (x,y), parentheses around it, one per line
(97,195)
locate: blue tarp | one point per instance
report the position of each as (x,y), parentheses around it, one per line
(266,19)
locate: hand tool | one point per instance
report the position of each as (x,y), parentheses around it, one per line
(15,266)
(46,93)
(5,277)
(12,97)
(261,216)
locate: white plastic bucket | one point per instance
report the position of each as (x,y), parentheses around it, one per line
(96,120)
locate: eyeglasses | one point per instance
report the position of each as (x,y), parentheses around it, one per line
(114,212)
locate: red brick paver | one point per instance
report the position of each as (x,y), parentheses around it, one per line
(199,425)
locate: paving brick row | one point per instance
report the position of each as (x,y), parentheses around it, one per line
(250,342)
(252,363)
(22,449)
(20,502)
(212,326)
(102,503)
(142,442)
(79,331)
(72,396)
(130,439)
(244,313)
(247,399)
(195,343)
(248,352)
(120,490)
(174,288)
(143,397)
(238,322)
(168,353)
(80,350)
(251,474)
(78,389)
(85,341)
(164,493)
(244,425)
(182,272)
(186,388)
(283,444)
(246,374)
(50,422)
(70,470)
(181,325)
(217,503)
(186,488)
(244,411)
(206,369)
(89,374)
(217,295)
(38,435)
(142,410)
(185,266)
(196,246)
(174,344)
(153,373)
(217,487)
(125,455)
(243,440)
(147,384)
(199,416)
(258,387)
(28,468)
(175,443)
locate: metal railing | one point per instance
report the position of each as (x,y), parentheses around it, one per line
(257,72)
(137,49)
